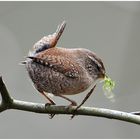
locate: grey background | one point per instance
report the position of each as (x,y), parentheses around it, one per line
(111,29)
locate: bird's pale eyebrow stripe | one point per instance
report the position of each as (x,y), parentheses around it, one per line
(98,61)
(94,60)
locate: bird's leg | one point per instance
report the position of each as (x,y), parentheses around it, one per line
(73,103)
(84,100)
(51,102)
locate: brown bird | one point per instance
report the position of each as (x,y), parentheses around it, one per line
(62,71)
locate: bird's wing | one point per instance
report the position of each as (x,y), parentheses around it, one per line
(59,64)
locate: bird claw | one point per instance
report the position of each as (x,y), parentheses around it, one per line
(71,105)
(72,116)
(50,115)
(48,104)
(74,112)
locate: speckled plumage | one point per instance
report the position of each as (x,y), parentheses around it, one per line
(62,71)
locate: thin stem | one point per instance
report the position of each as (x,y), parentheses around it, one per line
(88,111)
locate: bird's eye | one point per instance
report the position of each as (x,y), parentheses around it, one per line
(97,66)
(93,64)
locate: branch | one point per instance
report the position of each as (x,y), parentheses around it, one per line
(9,103)
(6,98)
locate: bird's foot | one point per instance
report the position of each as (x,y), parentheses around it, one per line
(51,116)
(74,112)
(49,104)
(73,103)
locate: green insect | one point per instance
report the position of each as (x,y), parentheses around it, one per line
(108,87)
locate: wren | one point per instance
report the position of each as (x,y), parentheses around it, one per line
(62,71)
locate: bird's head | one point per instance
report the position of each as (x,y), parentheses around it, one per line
(94,66)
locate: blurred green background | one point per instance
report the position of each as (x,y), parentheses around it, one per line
(111,29)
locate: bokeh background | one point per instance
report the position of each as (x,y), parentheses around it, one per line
(111,29)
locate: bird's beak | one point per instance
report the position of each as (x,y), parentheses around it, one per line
(101,75)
